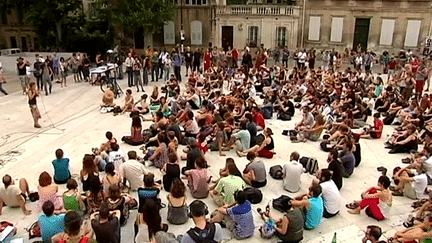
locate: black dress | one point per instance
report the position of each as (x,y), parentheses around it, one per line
(172,171)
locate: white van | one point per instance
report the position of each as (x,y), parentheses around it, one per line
(10,52)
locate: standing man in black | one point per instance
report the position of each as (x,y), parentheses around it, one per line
(247,61)
(196,60)
(188,59)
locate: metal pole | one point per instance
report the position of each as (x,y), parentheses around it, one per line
(303,23)
(181,26)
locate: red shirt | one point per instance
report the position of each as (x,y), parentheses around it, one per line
(378,126)
(259,120)
(203,148)
(235,55)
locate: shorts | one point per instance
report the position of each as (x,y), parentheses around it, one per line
(257,184)
(310,136)
(35,112)
(419,85)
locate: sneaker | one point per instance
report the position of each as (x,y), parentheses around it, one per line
(37,126)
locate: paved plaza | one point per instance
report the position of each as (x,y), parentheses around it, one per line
(71,120)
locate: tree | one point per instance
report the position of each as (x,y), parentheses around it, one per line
(145,15)
(52,18)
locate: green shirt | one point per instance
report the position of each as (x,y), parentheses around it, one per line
(227,186)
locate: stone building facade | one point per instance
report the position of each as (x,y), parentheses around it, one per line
(14,33)
(375,25)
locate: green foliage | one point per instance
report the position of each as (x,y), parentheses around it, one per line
(148,15)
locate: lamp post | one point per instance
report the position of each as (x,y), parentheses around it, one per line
(182,38)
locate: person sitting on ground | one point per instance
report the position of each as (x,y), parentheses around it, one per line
(14,195)
(177,203)
(230,169)
(61,168)
(173,143)
(105,224)
(372,234)
(198,180)
(88,171)
(336,167)
(376,200)
(193,154)
(252,128)
(404,141)
(312,133)
(129,102)
(313,206)
(226,187)
(330,193)
(220,139)
(118,201)
(136,137)
(112,177)
(255,172)
(412,183)
(49,192)
(307,120)
(241,139)
(171,170)
(95,196)
(148,223)
(133,171)
(116,156)
(420,215)
(143,108)
(108,98)
(418,233)
(72,198)
(203,229)
(374,131)
(50,224)
(289,228)
(75,230)
(105,147)
(258,118)
(265,149)
(347,159)
(237,216)
(150,190)
(292,172)
(160,156)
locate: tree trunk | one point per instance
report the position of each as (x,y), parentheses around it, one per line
(58,33)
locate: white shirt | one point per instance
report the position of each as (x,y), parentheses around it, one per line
(331,196)
(10,194)
(116,157)
(129,62)
(302,57)
(427,167)
(292,172)
(419,184)
(134,172)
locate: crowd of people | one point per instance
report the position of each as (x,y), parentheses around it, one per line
(223,105)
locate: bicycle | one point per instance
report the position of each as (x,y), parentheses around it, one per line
(110,81)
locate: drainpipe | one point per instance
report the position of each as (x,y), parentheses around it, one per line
(303,23)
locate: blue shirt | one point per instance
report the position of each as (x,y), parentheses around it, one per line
(243,218)
(348,162)
(61,169)
(314,213)
(51,225)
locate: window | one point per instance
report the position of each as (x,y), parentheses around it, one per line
(387,30)
(314,28)
(281,33)
(412,33)
(196,33)
(253,36)
(196,2)
(336,29)
(93,10)
(169,36)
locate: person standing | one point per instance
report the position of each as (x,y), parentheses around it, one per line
(162,61)
(47,73)
(235,57)
(421,75)
(247,61)
(196,60)
(22,73)
(188,59)
(56,67)
(137,74)
(38,70)
(2,81)
(208,59)
(177,62)
(129,65)
(285,55)
(155,66)
(32,94)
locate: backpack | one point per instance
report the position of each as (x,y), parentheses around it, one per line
(284,116)
(310,164)
(268,230)
(197,234)
(254,195)
(276,172)
(282,203)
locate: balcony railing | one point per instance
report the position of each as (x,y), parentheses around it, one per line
(257,10)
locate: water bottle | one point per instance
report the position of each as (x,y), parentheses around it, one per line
(334,240)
